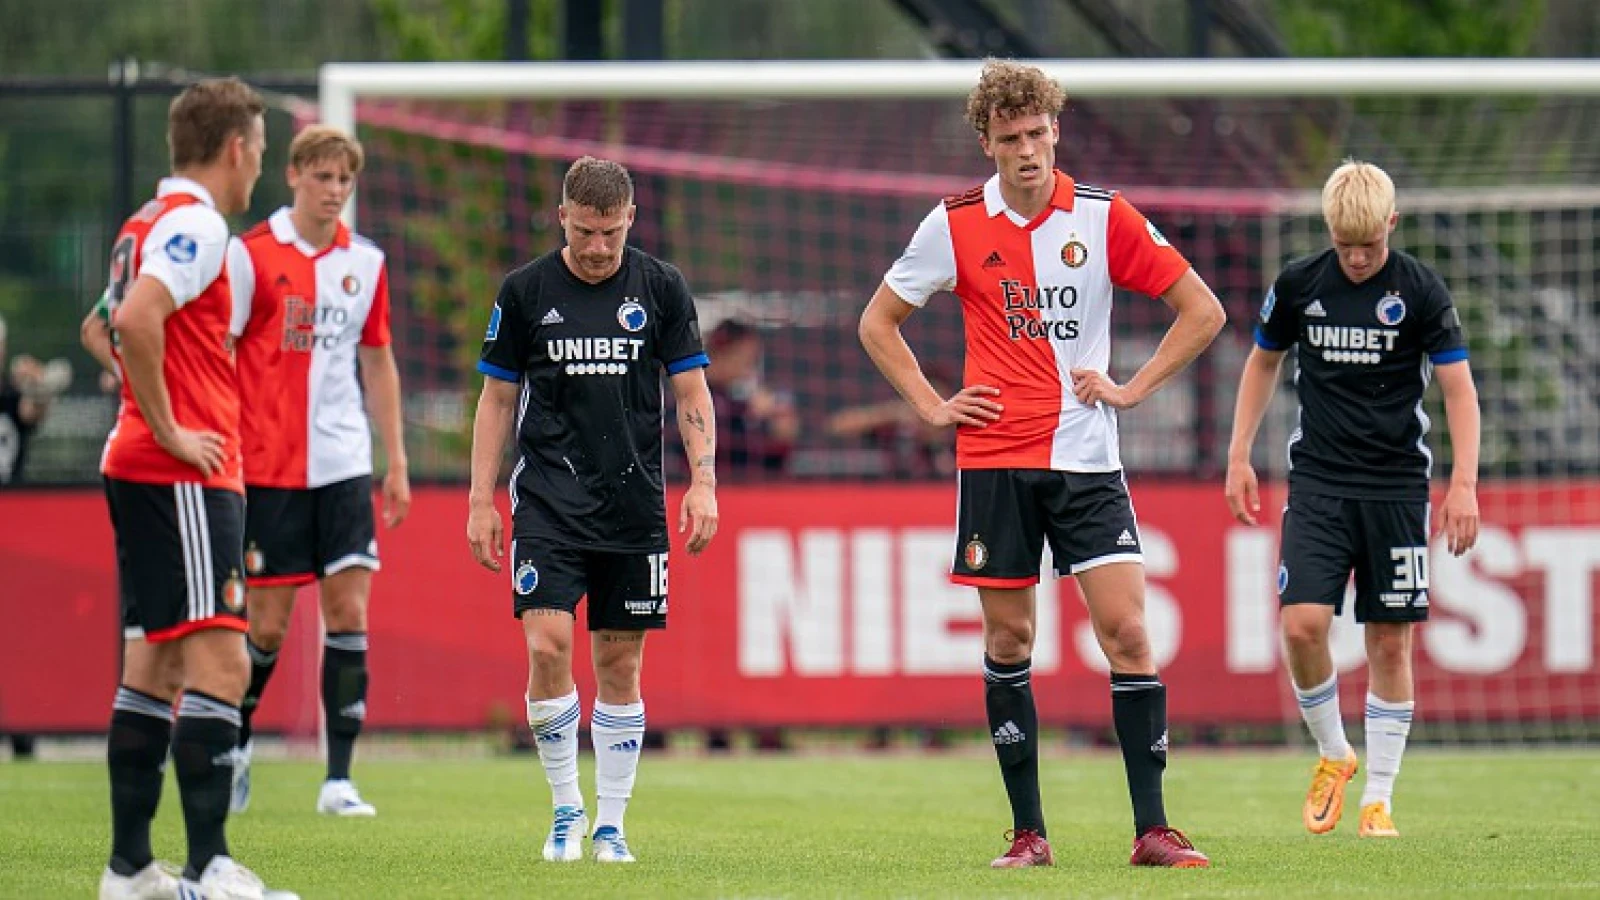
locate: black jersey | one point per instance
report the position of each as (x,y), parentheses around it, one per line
(589,358)
(1366,354)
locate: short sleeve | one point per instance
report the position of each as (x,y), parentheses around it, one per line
(1138,256)
(928,264)
(375,331)
(242,281)
(505,351)
(1276,329)
(678,344)
(1442,337)
(185,250)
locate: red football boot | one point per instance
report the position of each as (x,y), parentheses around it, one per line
(1163,846)
(1028,848)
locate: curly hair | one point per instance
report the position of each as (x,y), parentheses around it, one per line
(600,184)
(1009,89)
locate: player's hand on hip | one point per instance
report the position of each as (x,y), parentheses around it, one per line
(1460,519)
(1092,386)
(1243,492)
(970,406)
(396,495)
(698,516)
(486,536)
(202,449)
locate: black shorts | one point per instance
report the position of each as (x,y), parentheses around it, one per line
(180,557)
(1384,543)
(626,591)
(1004,516)
(296,536)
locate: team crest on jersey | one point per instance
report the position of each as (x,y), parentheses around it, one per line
(1283,578)
(976,555)
(182,249)
(1156,237)
(1074,253)
(350,284)
(527,578)
(1391,309)
(254,560)
(631,315)
(233,592)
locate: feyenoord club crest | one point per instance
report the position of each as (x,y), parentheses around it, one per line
(976,555)
(233,592)
(351,284)
(254,559)
(1074,253)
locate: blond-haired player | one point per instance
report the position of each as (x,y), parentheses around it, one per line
(1372,326)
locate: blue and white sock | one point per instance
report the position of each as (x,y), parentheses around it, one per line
(555,730)
(618,734)
(1319,706)
(1388,727)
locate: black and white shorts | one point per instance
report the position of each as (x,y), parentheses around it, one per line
(626,591)
(296,536)
(1004,516)
(1384,543)
(180,558)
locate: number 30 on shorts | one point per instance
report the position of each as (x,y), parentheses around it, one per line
(1411,568)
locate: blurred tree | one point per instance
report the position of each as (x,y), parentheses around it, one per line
(1422,28)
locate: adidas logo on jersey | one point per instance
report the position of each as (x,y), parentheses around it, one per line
(1009,733)
(356,710)
(628,746)
(993,260)
(553,317)
(1125,539)
(1315,310)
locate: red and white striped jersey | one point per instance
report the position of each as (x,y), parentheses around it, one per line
(1036,299)
(298,314)
(181,240)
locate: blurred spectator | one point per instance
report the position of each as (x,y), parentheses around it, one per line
(912,448)
(756,426)
(26,388)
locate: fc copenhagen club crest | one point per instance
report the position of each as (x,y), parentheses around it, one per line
(527,578)
(976,555)
(1391,309)
(233,592)
(1074,253)
(630,315)
(350,284)
(254,559)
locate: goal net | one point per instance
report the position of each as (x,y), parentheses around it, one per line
(784,191)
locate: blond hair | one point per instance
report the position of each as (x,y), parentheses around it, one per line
(600,184)
(319,142)
(1009,89)
(1358,201)
(202,119)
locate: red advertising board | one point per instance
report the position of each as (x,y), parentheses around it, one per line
(829,605)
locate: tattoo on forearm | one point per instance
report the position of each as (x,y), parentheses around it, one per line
(696,418)
(707,461)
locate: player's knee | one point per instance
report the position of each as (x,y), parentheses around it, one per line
(1009,642)
(550,656)
(1127,642)
(267,633)
(1304,635)
(1387,649)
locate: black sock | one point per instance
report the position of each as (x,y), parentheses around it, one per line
(202,750)
(1014,726)
(136,754)
(1139,709)
(344,696)
(262,662)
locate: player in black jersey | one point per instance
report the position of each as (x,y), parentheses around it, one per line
(576,346)
(1372,325)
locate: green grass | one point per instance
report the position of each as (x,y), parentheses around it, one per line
(1484,824)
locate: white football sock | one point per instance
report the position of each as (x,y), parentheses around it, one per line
(1388,726)
(1319,706)
(555,730)
(618,735)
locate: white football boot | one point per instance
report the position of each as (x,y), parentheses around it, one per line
(567,831)
(610,846)
(153,882)
(225,879)
(340,798)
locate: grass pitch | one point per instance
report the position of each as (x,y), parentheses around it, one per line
(1486,824)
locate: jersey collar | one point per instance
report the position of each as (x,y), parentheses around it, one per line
(1061,198)
(177,184)
(282,225)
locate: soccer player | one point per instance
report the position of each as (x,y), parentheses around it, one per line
(1372,326)
(176,497)
(1033,257)
(311,299)
(574,354)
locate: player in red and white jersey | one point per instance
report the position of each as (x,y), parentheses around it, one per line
(176,498)
(310,301)
(1033,258)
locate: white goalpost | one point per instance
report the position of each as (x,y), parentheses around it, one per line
(782,188)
